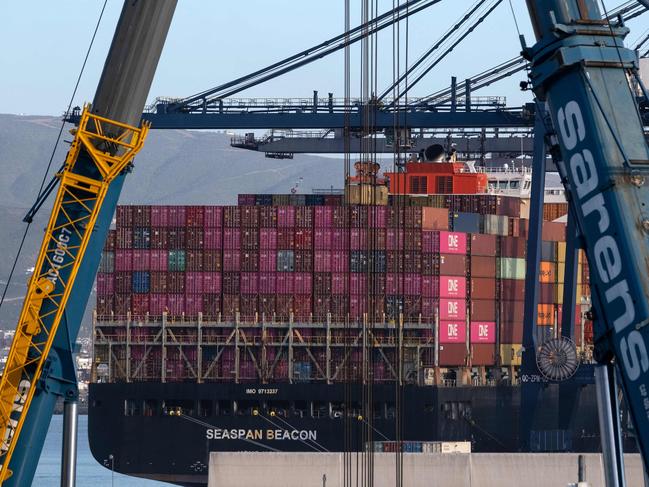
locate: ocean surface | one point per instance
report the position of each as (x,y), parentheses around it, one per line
(89,472)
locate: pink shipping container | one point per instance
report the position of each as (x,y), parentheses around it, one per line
(267,282)
(212,238)
(339,283)
(452,332)
(394,239)
(231,238)
(157,302)
(193,283)
(377,216)
(268,260)
(452,309)
(452,287)
(284,283)
(452,242)
(176,304)
(322,238)
(159,216)
(249,283)
(340,261)
(159,260)
(193,304)
(324,217)
(141,260)
(358,284)
(302,283)
(483,332)
(124,238)
(340,239)
(105,283)
(286,216)
(430,242)
(358,239)
(176,216)
(123,260)
(357,306)
(212,282)
(322,261)
(139,305)
(231,260)
(268,238)
(412,284)
(429,287)
(213,216)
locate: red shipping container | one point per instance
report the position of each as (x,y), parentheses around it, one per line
(322,261)
(485,245)
(434,218)
(105,283)
(194,260)
(211,260)
(452,242)
(121,304)
(429,264)
(124,238)
(303,239)
(511,332)
(139,305)
(396,216)
(393,283)
(268,260)
(429,286)
(268,238)
(213,217)
(304,216)
(358,283)
(158,260)
(142,216)
(158,282)
(193,282)
(212,282)
(266,309)
(322,283)
(452,287)
(321,306)
(286,216)
(483,332)
(141,260)
(124,216)
(249,261)
(159,238)
(157,304)
(249,283)
(341,217)
(123,260)
(248,310)
(483,288)
(483,310)
(159,216)
(554,232)
(268,216)
(231,260)
(283,306)
(340,261)
(358,239)
(177,216)
(194,238)
(285,238)
(512,289)
(250,216)
(377,216)
(452,309)
(266,282)
(483,266)
(483,354)
(357,306)
(452,332)
(413,217)
(376,284)
(430,242)
(513,247)
(413,240)
(195,216)
(322,238)
(109,244)
(303,261)
(211,306)
(302,308)
(511,311)
(284,283)
(176,238)
(176,282)
(231,217)
(302,283)
(340,239)
(338,308)
(176,304)
(394,239)
(547,293)
(428,307)
(452,265)
(339,283)
(324,216)
(231,282)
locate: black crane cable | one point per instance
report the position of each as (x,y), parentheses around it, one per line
(28,220)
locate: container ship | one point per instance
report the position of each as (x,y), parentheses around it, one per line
(318,322)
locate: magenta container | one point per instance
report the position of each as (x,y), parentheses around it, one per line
(268,238)
(267,282)
(286,216)
(231,260)
(212,282)
(213,216)
(428,306)
(212,238)
(452,332)
(339,283)
(177,216)
(123,260)
(340,261)
(268,260)
(231,238)
(322,238)
(322,261)
(193,283)
(452,309)
(176,304)
(324,217)
(302,283)
(452,242)
(249,283)
(159,216)
(358,283)
(105,283)
(358,239)
(377,216)
(284,283)
(141,260)
(429,287)
(429,241)
(340,239)
(357,306)
(394,239)
(452,287)
(157,303)
(412,284)
(193,304)
(159,260)
(393,283)
(483,332)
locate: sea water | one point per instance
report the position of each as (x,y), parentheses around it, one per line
(89,472)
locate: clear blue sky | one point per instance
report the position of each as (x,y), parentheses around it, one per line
(43,44)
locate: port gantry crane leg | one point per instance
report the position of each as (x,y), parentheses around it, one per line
(579,70)
(40,366)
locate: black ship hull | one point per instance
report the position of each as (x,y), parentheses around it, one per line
(167,431)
